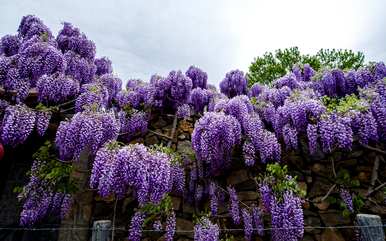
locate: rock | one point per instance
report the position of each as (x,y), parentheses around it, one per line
(160,123)
(319,188)
(311,219)
(374,233)
(321,205)
(185,148)
(151,140)
(317,167)
(176,201)
(247,195)
(364,176)
(186,126)
(333,218)
(237,177)
(308,237)
(331,234)
(184,224)
(187,208)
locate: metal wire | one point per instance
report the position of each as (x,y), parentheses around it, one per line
(191,231)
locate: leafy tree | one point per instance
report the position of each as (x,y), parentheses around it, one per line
(271,66)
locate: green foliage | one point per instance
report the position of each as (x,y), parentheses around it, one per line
(343,178)
(54,172)
(344,105)
(154,211)
(175,157)
(278,179)
(271,66)
(340,58)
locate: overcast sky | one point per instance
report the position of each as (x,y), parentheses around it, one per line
(155,36)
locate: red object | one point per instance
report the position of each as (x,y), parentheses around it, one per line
(1,151)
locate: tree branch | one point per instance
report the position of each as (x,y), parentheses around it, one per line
(328,193)
(374,149)
(374,174)
(173,131)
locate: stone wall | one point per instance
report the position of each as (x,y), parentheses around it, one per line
(315,175)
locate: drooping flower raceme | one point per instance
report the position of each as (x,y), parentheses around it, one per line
(42,121)
(234,84)
(133,124)
(103,65)
(31,26)
(234,205)
(205,230)
(213,139)
(347,199)
(287,218)
(183,111)
(70,39)
(199,78)
(57,88)
(135,230)
(148,172)
(248,223)
(9,45)
(85,131)
(199,98)
(112,83)
(93,96)
(18,123)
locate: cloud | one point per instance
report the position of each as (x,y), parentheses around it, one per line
(147,37)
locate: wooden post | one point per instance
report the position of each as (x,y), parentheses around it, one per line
(76,226)
(373,227)
(101,230)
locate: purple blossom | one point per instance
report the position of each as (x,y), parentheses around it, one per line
(198,77)
(234,84)
(103,66)
(81,69)
(266,196)
(9,45)
(57,88)
(234,205)
(347,199)
(199,98)
(312,135)
(85,130)
(42,121)
(92,96)
(206,231)
(135,230)
(180,87)
(70,39)
(133,124)
(255,90)
(258,222)
(213,198)
(170,226)
(31,25)
(248,225)
(213,139)
(38,59)
(18,123)
(112,83)
(183,111)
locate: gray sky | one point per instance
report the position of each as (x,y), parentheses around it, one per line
(156,36)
